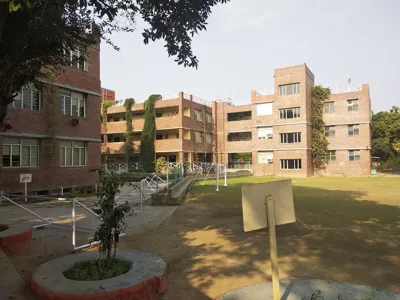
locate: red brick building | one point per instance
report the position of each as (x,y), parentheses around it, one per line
(107,94)
(55,133)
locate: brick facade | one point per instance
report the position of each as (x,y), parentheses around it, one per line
(341,118)
(50,128)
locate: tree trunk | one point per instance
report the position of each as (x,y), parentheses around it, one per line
(4,11)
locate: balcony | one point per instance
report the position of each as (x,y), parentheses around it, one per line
(118,147)
(168,145)
(240,161)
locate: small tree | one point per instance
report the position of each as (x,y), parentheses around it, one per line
(111,215)
(161,164)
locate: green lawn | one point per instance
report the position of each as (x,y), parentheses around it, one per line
(368,204)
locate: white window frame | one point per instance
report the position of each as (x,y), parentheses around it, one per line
(330,131)
(331,156)
(283,113)
(79,53)
(209,118)
(265,157)
(354,155)
(71,148)
(296,138)
(20,145)
(264,132)
(264,109)
(289,89)
(285,164)
(20,97)
(353,104)
(351,129)
(61,98)
(329,107)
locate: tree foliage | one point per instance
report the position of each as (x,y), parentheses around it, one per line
(147,149)
(111,215)
(35,33)
(129,147)
(386,133)
(319,143)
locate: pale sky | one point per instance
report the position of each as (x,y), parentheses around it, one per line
(247,39)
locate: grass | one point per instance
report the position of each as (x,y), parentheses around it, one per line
(91,270)
(365,203)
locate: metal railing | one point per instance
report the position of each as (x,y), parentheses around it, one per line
(240,165)
(345,89)
(123,167)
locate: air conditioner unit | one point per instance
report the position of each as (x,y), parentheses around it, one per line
(269,160)
(269,135)
(75,122)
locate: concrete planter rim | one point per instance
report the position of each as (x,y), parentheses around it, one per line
(50,275)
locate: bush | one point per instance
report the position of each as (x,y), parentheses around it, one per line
(392,164)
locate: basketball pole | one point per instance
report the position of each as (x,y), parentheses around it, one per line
(270,206)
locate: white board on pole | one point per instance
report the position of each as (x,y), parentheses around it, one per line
(25,178)
(253,204)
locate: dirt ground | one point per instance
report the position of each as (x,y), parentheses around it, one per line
(341,235)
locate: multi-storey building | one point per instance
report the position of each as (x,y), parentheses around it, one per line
(183,130)
(55,133)
(272,134)
(107,94)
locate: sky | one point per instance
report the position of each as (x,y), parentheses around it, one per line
(246,40)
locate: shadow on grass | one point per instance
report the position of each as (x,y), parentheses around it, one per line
(346,240)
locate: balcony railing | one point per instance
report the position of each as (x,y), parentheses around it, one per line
(345,89)
(240,165)
(265,92)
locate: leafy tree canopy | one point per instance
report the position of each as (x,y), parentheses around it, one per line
(386,126)
(35,33)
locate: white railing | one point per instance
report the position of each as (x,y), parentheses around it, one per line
(169,96)
(186,96)
(345,89)
(123,168)
(265,92)
(201,101)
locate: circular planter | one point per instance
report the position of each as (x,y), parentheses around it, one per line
(303,288)
(15,239)
(145,280)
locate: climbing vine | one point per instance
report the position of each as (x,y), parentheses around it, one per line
(147,149)
(204,115)
(320,144)
(129,147)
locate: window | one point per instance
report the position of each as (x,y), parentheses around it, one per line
(116,119)
(197,137)
(186,111)
(331,156)
(209,138)
(197,115)
(354,155)
(239,136)
(28,98)
(265,157)
(209,118)
(239,116)
(330,131)
(77,59)
(354,129)
(264,132)
(117,139)
(352,105)
(72,154)
(329,107)
(159,136)
(290,138)
(289,89)
(159,115)
(20,152)
(72,103)
(290,164)
(289,113)
(186,134)
(264,109)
